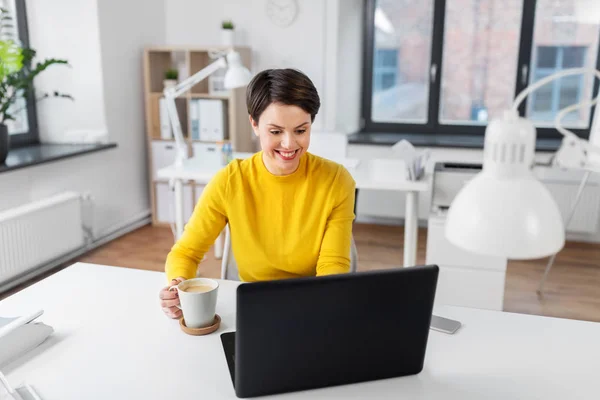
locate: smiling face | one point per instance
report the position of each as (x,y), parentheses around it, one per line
(284,134)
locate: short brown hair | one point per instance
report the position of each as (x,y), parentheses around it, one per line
(285,86)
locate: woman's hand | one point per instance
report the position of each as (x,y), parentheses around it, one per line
(169,300)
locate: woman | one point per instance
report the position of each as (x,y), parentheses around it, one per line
(289,211)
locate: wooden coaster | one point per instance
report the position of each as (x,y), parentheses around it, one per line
(201,331)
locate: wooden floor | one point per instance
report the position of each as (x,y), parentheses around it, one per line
(572,289)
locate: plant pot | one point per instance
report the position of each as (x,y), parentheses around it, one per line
(169,83)
(4,143)
(227,37)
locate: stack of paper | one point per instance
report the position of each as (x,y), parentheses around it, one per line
(415,161)
(19,335)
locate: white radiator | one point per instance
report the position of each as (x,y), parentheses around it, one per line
(36,233)
(586,216)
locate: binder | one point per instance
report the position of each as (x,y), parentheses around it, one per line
(212,127)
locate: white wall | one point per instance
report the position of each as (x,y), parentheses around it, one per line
(325,42)
(300,46)
(107,36)
(72,34)
(123,35)
(347,70)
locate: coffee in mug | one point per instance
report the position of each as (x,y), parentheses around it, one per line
(198,298)
(198,289)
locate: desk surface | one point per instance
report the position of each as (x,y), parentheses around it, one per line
(112,341)
(364,174)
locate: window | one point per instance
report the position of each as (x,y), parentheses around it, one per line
(450,66)
(479,60)
(401,86)
(562,39)
(23,129)
(551,98)
(385,74)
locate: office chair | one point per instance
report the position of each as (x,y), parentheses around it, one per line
(229,268)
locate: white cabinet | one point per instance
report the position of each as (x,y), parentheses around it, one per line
(165,203)
(209,153)
(163,154)
(466,279)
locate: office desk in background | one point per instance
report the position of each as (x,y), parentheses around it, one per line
(112,341)
(367,174)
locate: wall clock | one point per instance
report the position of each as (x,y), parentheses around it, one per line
(282,12)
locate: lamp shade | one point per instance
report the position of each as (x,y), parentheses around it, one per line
(237,75)
(515,219)
(504,210)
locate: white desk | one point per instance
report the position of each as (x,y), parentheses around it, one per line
(195,170)
(112,341)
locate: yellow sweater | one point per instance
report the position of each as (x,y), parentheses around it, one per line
(281,226)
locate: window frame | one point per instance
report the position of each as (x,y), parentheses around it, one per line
(556,85)
(433,126)
(32,136)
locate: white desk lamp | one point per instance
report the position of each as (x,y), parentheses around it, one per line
(236,76)
(504,210)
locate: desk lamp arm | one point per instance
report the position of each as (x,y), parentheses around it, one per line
(574,152)
(172,93)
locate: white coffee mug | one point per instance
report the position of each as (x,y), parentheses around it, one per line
(198,307)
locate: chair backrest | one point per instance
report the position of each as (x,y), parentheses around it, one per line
(229,269)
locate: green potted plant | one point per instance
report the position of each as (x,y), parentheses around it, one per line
(16,77)
(171,76)
(227,34)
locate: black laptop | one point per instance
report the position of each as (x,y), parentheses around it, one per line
(309,333)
